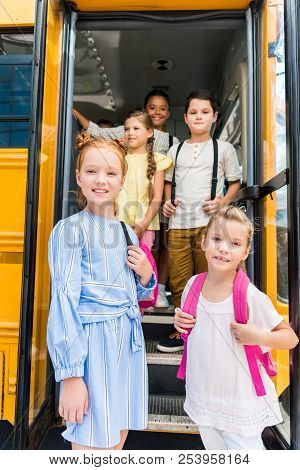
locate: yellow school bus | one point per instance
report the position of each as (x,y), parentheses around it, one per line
(102,58)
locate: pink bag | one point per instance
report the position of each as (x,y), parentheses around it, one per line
(254,354)
(153,298)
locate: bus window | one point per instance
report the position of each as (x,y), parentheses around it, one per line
(280,164)
(232,129)
(275,208)
(15,96)
(15,89)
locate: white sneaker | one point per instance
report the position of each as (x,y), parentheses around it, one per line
(162,301)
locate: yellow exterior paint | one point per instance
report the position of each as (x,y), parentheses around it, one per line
(13,171)
(13,165)
(138,5)
(16,13)
(269,28)
(46,202)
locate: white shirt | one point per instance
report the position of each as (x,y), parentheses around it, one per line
(219,388)
(194,170)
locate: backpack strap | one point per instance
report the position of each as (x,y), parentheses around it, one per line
(173,184)
(190,306)
(191,300)
(127,237)
(240,287)
(253,353)
(214,180)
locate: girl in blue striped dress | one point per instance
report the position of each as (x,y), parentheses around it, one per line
(95,336)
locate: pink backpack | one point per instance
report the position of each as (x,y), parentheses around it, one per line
(254,354)
(153,298)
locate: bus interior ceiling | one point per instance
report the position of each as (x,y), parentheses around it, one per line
(114,70)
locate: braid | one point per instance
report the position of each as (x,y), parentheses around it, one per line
(151,169)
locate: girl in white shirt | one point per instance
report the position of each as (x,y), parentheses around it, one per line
(220,394)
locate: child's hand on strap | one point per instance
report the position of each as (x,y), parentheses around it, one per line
(248,334)
(211,206)
(169,209)
(139,263)
(183,321)
(73,402)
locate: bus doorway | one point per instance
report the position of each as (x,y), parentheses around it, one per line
(109,61)
(117,61)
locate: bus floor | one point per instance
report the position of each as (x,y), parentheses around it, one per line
(137,440)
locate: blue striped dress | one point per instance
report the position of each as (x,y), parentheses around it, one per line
(94,326)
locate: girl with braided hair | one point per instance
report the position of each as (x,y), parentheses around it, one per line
(140,199)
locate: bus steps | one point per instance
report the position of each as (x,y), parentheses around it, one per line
(162,316)
(158,324)
(166,414)
(166,392)
(156,357)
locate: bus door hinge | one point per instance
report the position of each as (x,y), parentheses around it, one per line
(273,51)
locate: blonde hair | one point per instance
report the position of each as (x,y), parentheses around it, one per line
(233,213)
(145,119)
(84,142)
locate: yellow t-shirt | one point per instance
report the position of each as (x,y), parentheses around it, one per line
(133,199)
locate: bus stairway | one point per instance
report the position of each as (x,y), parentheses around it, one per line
(166,392)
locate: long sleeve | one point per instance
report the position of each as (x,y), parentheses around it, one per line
(161,142)
(66,339)
(143,292)
(109,133)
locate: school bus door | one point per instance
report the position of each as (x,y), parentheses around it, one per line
(275,269)
(34,401)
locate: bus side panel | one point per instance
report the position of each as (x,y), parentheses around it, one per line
(15,13)
(51,101)
(13,169)
(136,5)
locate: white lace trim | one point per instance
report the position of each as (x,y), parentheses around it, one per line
(226,414)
